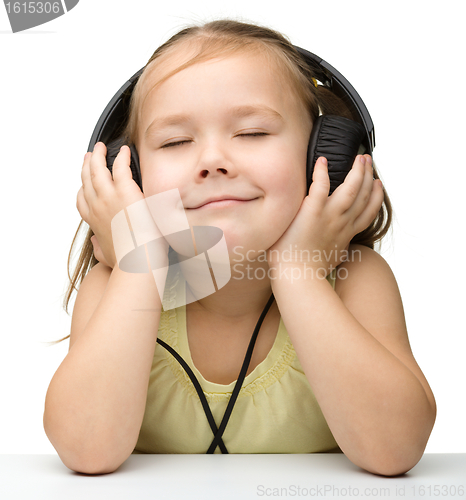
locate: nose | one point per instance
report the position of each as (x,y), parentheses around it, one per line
(214,161)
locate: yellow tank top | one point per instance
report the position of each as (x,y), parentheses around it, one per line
(276,410)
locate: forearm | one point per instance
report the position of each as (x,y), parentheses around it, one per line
(376,408)
(96,400)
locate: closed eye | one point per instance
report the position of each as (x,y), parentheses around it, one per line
(252,134)
(177,143)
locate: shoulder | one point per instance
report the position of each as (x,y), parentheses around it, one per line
(367,286)
(364,268)
(90,292)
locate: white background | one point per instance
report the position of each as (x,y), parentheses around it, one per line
(406,60)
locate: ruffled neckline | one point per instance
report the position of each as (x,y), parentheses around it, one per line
(271,369)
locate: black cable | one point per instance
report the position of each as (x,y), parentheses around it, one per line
(199,390)
(218,437)
(218,432)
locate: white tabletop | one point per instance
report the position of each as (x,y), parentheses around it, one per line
(238,477)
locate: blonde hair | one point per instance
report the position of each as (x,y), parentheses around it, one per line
(223,38)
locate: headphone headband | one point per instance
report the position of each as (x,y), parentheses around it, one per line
(111,122)
(341,87)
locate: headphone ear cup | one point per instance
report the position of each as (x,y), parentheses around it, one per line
(338,139)
(113,148)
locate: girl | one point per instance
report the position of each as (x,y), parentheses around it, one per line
(221,111)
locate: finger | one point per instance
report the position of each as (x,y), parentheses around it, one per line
(372,209)
(99,172)
(121,167)
(345,194)
(85,178)
(89,193)
(365,191)
(98,254)
(82,206)
(94,245)
(320,185)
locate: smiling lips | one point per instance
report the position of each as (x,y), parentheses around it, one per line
(223,201)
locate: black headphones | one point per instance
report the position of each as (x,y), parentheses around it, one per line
(335,137)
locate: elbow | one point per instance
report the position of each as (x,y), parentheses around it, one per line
(391,463)
(90,465)
(91,462)
(397,456)
(391,459)
(85,460)
(391,467)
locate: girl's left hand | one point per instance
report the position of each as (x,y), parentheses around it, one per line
(324,225)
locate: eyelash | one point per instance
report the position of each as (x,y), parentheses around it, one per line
(171,144)
(252,134)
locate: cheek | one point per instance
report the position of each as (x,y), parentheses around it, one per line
(288,190)
(157,179)
(285,196)
(151,184)
(288,178)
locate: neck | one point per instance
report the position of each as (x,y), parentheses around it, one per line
(243,298)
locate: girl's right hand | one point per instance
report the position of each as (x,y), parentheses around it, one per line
(101,197)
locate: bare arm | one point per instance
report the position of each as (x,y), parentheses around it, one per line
(96,400)
(354,349)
